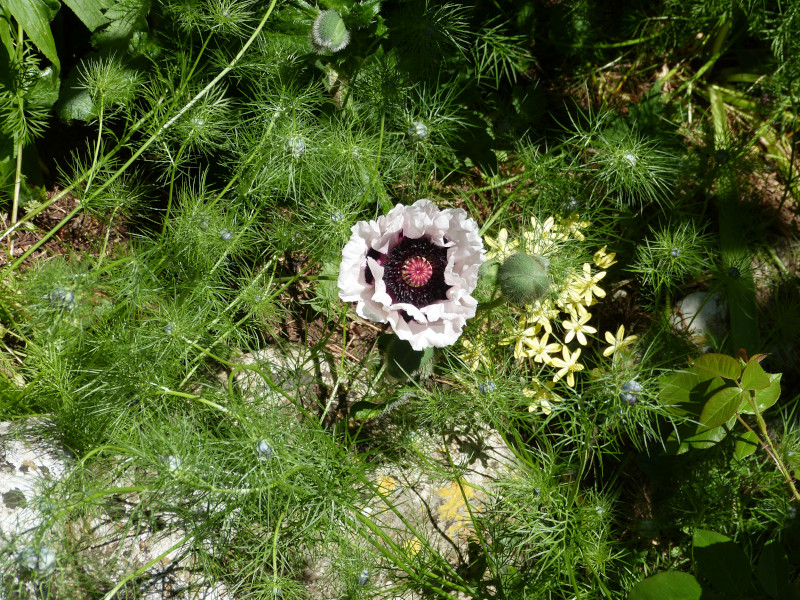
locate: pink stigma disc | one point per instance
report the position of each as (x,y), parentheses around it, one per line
(416,271)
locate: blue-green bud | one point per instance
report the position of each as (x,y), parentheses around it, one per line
(329,33)
(523,278)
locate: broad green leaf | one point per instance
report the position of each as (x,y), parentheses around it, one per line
(707,438)
(773,569)
(721,365)
(745,445)
(720,407)
(90,11)
(44,92)
(764,398)
(674,388)
(34,16)
(75,104)
(126,17)
(686,392)
(675,444)
(685,439)
(754,377)
(719,560)
(671,585)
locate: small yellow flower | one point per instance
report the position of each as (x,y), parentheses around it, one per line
(521,337)
(573,226)
(501,248)
(603,259)
(542,236)
(539,350)
(619,341)
(476,355)
(568,366)
(589,285)
(543,312)
(577,328)
(542,396)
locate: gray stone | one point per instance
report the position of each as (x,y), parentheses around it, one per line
(703,315)
(26,463)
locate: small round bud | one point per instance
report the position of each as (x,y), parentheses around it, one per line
(571,205)
(172,462)
(630,158)
(363,577)
(264,450)
(295,146)
(675,252)
(169,328)
(487,388)
(417,131)
(329,33)
(225,235)
(629,391)
(62,298)
(523,278)
(39,560)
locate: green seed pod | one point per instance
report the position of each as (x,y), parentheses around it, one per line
(329,33)
(523,278)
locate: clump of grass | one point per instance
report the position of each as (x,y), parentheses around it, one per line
(240,142)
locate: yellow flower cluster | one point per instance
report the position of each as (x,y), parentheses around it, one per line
(534,338)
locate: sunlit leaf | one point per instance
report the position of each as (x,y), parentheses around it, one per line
(754,377)
(764,398)
(745,445)
(722,562)
(721,407)
(672,585)
(34,16)
(721,365)
(90,11)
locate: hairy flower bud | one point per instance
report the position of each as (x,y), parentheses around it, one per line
(523,278)
(329,33)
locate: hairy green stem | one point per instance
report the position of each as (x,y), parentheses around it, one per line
(18,172)
(770,449)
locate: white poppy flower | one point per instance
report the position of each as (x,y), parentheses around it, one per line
(414,268)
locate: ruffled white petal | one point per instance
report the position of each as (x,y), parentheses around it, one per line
(438,324)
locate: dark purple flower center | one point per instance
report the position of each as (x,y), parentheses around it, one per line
(413,271)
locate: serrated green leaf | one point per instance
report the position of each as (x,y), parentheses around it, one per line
(720,407)
(754,377)
(44,92)
(720,365)
(126,17)
(719,560)
(90,11)
(34,16)
(75,105)
(672,585)
(764,398)
(745,445)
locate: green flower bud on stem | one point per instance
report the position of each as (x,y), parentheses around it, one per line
(329,32)
(523,278)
